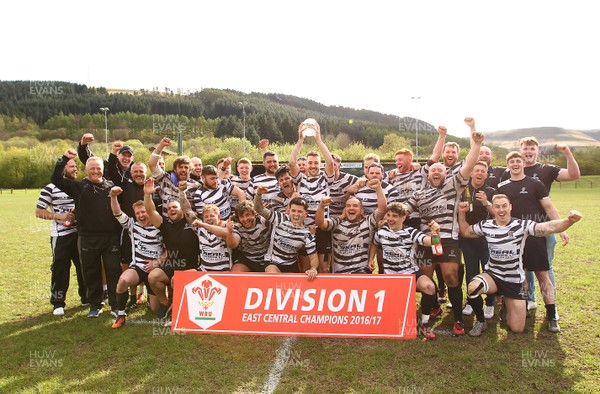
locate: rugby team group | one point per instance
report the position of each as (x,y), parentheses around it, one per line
(129,224)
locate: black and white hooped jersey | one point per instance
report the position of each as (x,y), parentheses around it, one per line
(146,242)
(287,240)
(272,188)
(280,202)
(168,189)
(243,185)
(440,204)
(254,242)
(350,243)
(219,197)
(398,248)
(312,190)
(506,245)
(368,196)
(214,253)
(337,193)
(455,169)
(407,183)
(58,202)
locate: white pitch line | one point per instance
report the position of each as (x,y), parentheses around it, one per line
(283,355)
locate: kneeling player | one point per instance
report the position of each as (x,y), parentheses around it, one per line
(395,247)
(147,253)
(506,239)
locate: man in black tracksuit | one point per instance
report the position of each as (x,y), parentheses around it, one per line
(98,229)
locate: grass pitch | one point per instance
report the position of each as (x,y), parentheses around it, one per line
(43,353)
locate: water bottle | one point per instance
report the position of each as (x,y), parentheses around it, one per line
(67,222)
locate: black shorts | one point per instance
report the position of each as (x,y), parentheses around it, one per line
(293,268)
(535,254)
(143,275)
(452,252)
(515,291)
(126,252)
(253,266)
(322,242)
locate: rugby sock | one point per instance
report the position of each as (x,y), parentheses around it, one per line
(427,302)
(436,303)
(105,287)
(551,311)
(122,300)
(456,298)
(477,305)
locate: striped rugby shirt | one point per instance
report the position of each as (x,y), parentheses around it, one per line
(398,249)
(506,245)
(312,190)
(214,253)
(218,197)
(287,240)
(254,242)
(58,202)
(243,185)
(440,205)
(368,196)
(168,189)
(337,193)
(263,179)
(350,244)
(146,242)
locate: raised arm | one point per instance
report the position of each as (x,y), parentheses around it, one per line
(571,173)
(155,169)
(320,220)
(473,155)
(186,207)
(114,203)
(381,200)
(466,230)
(64,184)
(557,226)
(258,204)
(553,214)
(329,170)
(83,150)
(155,218)
(294,169)
(439,145)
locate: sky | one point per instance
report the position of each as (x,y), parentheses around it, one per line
(509,64)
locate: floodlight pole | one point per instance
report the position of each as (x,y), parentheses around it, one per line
(416,98)
(105,110)
(244,120)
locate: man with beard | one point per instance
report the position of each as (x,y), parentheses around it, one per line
(214,190)
(314,186)
(167,181)
(351,236)
(271,164)
(250,236)
(147,253)
(506,237)
(289,236)
(98,230)
(63,240)
(287,189)
(181,242)
(530,200)
(368,196)
(475,250)
(438,203)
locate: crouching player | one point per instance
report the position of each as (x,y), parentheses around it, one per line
(506,237)
(394,245)
(147,253)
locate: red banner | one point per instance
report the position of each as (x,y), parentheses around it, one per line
(359,306)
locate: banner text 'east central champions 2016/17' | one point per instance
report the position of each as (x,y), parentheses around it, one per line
(360,306)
